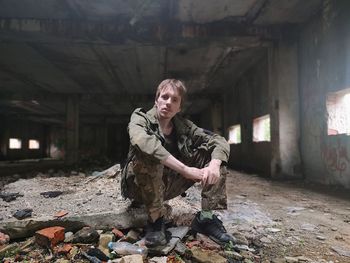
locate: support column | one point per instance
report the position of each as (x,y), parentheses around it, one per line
(217,118)
(284,109)
(72,129)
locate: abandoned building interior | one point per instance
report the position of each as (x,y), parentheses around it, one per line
(271,76)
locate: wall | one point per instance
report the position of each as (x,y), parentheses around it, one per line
(324,59)
(103,140)
(24,130)
(94,140)
(247,100)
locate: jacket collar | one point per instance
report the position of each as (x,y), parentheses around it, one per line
(179,125)
(152,113)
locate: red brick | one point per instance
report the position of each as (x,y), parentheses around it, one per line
(49,236)
(193,243)
(61,213)
(63,250)
(117,233)
(4,239)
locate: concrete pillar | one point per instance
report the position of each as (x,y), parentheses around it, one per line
(217,118)
(224,113)
(72,129)
(284,109)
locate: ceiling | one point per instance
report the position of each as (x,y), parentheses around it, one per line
(111,54)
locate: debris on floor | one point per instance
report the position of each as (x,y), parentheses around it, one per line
(87,245)
(289,224)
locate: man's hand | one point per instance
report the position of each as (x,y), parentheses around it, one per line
(193,173)
(190,173)
(211,173)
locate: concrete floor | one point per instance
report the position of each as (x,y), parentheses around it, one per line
(290,218)
(278,219)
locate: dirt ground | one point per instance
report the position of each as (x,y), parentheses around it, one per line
(279,220)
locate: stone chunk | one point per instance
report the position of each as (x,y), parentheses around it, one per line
(158,260)
(24,213)
(231,255)
(241,239)
(51,194)
(207,256)
(97,253)
(103,243)
(322,238)
(49,236)
(180,248)
(86,235)
(132,236)
(132,259)
(8,197)
(177,233)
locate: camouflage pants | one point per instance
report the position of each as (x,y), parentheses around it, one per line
(151,183)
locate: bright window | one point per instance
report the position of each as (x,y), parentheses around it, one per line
(34,144)
(338,108)
(234,134)
(261,129)
(15,143)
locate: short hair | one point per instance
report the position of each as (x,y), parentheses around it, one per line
(176,85)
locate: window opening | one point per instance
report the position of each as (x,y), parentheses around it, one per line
(234,134)
(33,144)
(338,108)
(261,129)
(15,143)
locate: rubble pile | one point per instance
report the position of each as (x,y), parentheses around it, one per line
(54,244)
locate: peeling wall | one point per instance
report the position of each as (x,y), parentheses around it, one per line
(324,61)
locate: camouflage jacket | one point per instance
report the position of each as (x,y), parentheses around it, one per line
(146,136)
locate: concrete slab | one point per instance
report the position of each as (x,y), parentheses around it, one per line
(122,219)
(177,233)
(96,203)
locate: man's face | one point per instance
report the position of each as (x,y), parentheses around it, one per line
(168,103)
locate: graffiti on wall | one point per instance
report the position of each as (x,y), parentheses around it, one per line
(335,157)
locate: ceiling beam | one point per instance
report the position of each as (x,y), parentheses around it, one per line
(255,11)
(121,32)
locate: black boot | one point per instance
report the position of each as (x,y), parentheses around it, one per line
(212,227)
(155,233)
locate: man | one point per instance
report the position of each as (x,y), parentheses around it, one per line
(167,155)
